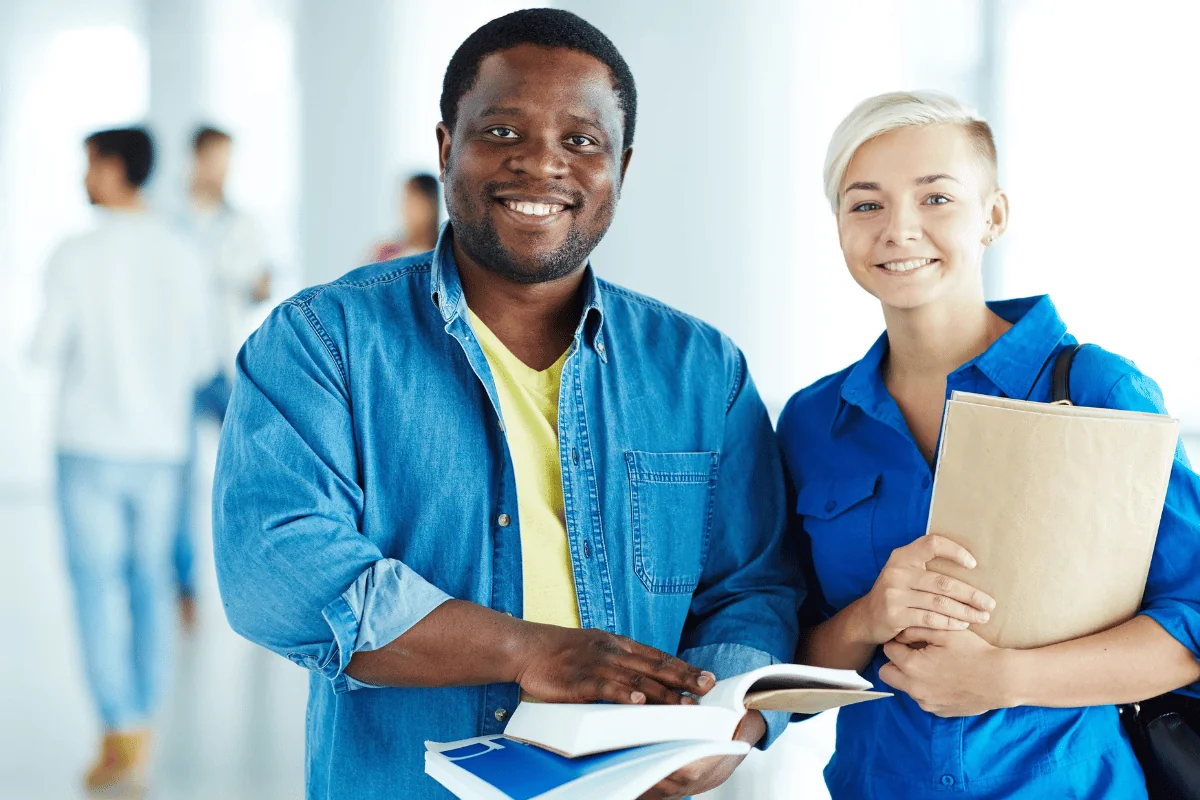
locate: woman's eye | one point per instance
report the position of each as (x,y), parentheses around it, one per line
(869,206)
(937,200)
(502,132)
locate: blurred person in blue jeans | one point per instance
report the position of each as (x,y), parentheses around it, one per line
(125,324)
(459,478)
(239,278)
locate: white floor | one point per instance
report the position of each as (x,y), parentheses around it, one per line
(234,726)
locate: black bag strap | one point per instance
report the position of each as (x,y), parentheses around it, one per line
(1060,378)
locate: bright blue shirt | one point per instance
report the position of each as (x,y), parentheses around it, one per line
(363,479)
(862,489)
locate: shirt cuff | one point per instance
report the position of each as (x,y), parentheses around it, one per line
(727,660)
(381,605)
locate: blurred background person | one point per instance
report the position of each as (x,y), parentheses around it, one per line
(237,274)
(420,218)
(124,322)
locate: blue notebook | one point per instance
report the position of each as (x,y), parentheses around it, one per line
(497,768)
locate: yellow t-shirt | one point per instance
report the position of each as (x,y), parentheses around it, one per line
(529,405)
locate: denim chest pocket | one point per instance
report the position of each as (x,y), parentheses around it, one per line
(671,498)
(839,516)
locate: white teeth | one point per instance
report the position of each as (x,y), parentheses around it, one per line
(534,209)
(907,266)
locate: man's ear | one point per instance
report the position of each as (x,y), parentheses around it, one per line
(628,154)
(444,135)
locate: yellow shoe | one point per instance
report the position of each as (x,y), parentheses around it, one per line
(123,763)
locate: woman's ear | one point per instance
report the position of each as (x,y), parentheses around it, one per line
(997,210)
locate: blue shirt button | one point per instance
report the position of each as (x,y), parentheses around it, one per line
(831,505)
(925,482)
(947,780)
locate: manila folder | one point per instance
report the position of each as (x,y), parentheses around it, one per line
(1060,505)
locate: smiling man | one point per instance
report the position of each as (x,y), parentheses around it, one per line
(479,474)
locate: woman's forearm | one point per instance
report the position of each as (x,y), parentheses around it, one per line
(1131,662)
(839,642)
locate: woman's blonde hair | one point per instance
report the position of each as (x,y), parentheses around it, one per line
(887,112)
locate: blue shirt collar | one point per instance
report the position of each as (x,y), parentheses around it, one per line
(447,292)
(1013,363)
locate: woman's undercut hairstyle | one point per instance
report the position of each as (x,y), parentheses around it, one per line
(878,115)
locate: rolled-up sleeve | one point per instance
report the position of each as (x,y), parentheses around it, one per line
(1172,595)
(296,573)
(744,612)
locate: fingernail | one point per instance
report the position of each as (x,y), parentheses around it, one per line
(984,616)
(688,700)
(989,604)
(637,697)
(971,562)
(958,623)
(706,679)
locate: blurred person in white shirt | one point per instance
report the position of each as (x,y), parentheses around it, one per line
(125,323)
(238,278)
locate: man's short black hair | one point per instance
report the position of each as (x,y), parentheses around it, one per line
(544,27)
(133,146)
(207,133)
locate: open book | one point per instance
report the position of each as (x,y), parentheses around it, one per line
(1060,505)
(575,730)
(559,750)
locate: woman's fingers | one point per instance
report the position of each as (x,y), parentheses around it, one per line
(932,546)
(938,584)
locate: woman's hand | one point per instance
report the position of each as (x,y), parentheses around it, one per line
(907,595)
(949,673)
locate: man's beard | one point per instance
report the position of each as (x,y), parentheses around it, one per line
(480,239)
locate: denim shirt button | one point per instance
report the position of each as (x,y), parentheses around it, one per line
(575,456)
(500,422)
(501,714)
(947,780)
(504,519)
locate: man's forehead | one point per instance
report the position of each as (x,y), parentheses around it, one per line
(529,78)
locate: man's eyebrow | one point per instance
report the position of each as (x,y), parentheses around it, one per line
(941,176)
(864,186)
(582,120)
(501,111)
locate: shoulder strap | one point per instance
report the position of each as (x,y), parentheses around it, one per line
(1060,379)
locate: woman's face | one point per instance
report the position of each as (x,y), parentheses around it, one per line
(917,207)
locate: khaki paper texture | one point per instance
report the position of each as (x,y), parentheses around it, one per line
(1060,507)
(809,701)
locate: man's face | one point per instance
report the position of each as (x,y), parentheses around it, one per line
(211,164)
(533,167)
(105,178)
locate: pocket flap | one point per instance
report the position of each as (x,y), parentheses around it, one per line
(672,467)
(828,497)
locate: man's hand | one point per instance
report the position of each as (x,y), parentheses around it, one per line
(948,673)
(709,773)
(562,665)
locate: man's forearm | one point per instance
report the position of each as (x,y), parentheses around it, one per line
(1131,662)
(457,644)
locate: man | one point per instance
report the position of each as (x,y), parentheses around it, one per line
(238,278)
(125,323)
(467,476)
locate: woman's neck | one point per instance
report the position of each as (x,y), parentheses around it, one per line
(934,340)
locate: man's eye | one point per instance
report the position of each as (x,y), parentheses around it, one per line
(937,200)
(502,132)
(580,141)
(868,206)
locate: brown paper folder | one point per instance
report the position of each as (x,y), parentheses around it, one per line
(1060,506)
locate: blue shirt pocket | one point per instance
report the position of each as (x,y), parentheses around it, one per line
(838,514)
(671,499)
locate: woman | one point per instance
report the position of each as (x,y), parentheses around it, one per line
(912,180)
(420,217)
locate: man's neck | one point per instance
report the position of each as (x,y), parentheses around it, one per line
(536,322)
(206,200)
(127,203)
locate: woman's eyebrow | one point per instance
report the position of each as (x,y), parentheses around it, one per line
(864,186)
(935,178)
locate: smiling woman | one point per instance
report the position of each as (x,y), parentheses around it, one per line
(911,178)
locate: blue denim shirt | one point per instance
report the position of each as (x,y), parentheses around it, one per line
(363,479)
(862,489)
